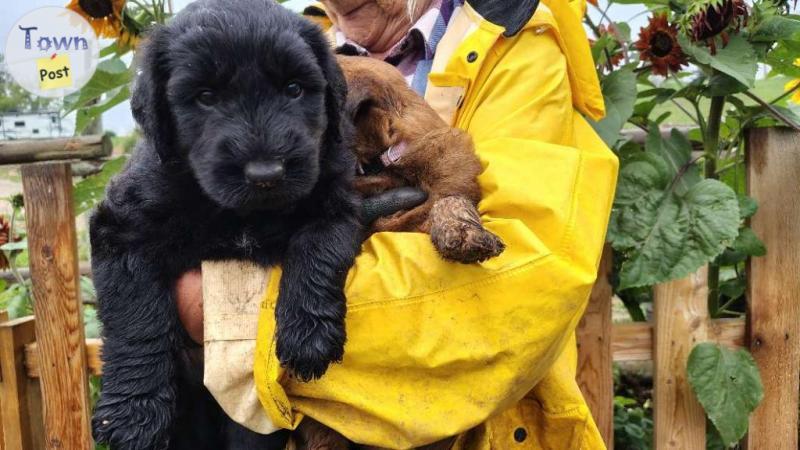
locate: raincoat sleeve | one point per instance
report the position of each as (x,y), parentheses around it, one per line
(434,348)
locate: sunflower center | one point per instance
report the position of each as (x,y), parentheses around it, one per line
(97,8)
(661,44)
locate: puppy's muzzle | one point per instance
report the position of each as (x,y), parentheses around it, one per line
(264,173)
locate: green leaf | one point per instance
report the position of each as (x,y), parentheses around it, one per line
(89,191)
(748,243)
(619,93)
(87,115)
(665,235)
(110,75)
(13,246)
(747,206)
(91,323)
(677,152)
(721,84)
(16,300)
(776,28)
(728,385)
(733,288)
(737,59)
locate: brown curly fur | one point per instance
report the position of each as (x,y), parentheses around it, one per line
(439,159)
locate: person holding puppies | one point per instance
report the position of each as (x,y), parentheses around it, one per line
(480,355)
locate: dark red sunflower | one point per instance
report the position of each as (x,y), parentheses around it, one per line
(5,231)
(658,45)
(715,17)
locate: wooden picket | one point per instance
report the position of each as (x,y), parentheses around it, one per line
(59,359)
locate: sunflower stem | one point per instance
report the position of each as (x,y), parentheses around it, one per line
(711,147)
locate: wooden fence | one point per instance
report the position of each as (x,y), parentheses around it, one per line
(45,362)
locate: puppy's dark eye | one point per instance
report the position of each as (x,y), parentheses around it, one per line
(207,98)
(293,89)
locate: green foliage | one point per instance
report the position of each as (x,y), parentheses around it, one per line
(728,385)
(680,201)
(619,93)
(89,191)
(666,220)
(737,59)
(108,87)
(633,426)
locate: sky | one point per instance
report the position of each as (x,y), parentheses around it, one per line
(119,120)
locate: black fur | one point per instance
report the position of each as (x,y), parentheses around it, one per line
(183,198)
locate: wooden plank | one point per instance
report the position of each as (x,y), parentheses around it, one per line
(52,248)
(595,365)
(93,363)
(773,170)
(36,409)
(3,446)
(634,341)
(629,342)
(38,150)
(680,315)
(16,414)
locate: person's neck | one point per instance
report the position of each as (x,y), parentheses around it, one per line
(397,30)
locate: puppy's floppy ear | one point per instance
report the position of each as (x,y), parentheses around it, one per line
(336,91)
(149,100)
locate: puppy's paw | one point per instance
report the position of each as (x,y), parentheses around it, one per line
(307,348)
(458,235)
(134,423)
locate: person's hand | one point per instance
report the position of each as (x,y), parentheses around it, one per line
(189,287)
(189,298)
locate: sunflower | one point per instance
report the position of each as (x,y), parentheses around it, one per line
(4,238)
(105,16)
(710,18)
(658,44)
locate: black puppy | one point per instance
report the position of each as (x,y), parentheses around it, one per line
(243,157)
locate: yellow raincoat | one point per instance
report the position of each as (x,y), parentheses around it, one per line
(487,351)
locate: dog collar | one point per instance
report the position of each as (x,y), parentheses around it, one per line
(393,153)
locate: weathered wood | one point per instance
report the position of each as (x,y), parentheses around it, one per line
(629,342)
(36,410)
(680,316)
(16,413)
(52,248)
(773,171)
(634,341)
(39,150)
(595,371)
(84,268)
(93,363)
(3,446)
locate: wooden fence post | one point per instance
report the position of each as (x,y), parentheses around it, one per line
(52,248)
(16,413)
(681,314)
(595,364)
(773,171)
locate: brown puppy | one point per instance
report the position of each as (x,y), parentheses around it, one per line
(401,141)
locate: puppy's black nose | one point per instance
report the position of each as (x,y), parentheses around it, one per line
(264,173)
